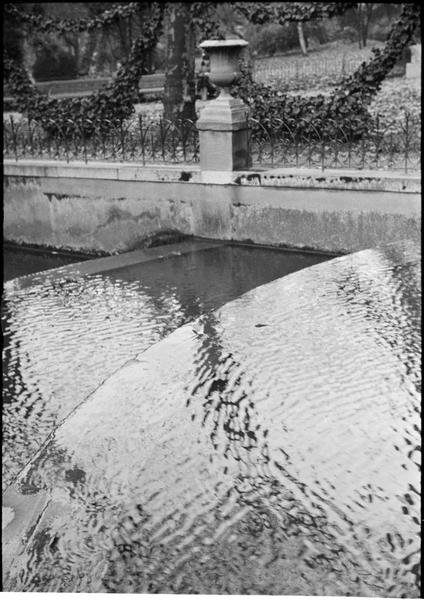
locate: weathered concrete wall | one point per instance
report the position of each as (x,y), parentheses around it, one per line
(336,220)
(89,214)
(83,209)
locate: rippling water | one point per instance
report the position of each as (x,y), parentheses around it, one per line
(64,336)
(270,447)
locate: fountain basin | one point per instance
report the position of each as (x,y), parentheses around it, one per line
(268,447)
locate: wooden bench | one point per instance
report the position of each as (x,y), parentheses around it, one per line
(153,83)
(74,88)
(67,88)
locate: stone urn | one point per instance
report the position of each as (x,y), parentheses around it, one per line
(224,56)
(222,124)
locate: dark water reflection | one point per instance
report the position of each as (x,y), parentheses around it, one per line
(271,447)
(19,261)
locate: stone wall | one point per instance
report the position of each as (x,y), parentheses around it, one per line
(113,208)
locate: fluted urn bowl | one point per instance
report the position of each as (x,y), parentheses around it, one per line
(224,59)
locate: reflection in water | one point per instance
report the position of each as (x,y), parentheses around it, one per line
(270,447)
(63,337)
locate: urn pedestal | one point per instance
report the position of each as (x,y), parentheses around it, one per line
(413,68)
(223,126)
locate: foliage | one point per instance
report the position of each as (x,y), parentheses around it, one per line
(43,24)
(347,106)
(57,65)
(204,18)
(289,12)
(13,40)
(392,99)
(113,104)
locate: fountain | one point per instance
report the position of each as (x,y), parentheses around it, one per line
(270,446)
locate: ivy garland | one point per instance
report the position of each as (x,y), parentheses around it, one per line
(110,106)
(346,107)
(203,16)
(46,25)
(260,13)
(114,103)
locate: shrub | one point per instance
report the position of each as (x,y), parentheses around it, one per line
(53,63)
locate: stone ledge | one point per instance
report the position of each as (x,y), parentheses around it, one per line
(341,179)
(344,179)
(101,170)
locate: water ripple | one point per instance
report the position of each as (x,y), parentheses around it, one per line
(270,447)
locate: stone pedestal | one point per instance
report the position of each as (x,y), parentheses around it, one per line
(223,134)
(413,69)
(222,125)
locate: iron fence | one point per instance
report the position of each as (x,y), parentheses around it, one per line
(141,140)
(299,69)
(386,145)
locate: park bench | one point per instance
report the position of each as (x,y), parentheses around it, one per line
(75,88)
(153,83)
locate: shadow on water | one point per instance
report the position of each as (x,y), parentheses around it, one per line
(268,447)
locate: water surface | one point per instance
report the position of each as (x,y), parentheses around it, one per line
(270,447)
(63,336)
(19,261)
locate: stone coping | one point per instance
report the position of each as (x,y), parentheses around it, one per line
(289,177)
(102,170)
(117,261)
(354,179)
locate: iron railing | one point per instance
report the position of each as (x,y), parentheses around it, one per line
(141,140)
(386,145)
(298,70)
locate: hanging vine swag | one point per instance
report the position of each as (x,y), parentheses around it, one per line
(347,105)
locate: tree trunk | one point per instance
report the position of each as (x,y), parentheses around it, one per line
(179,95)
(28,58)
(301,39)
(363,17)
(88,54)
(367,20)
